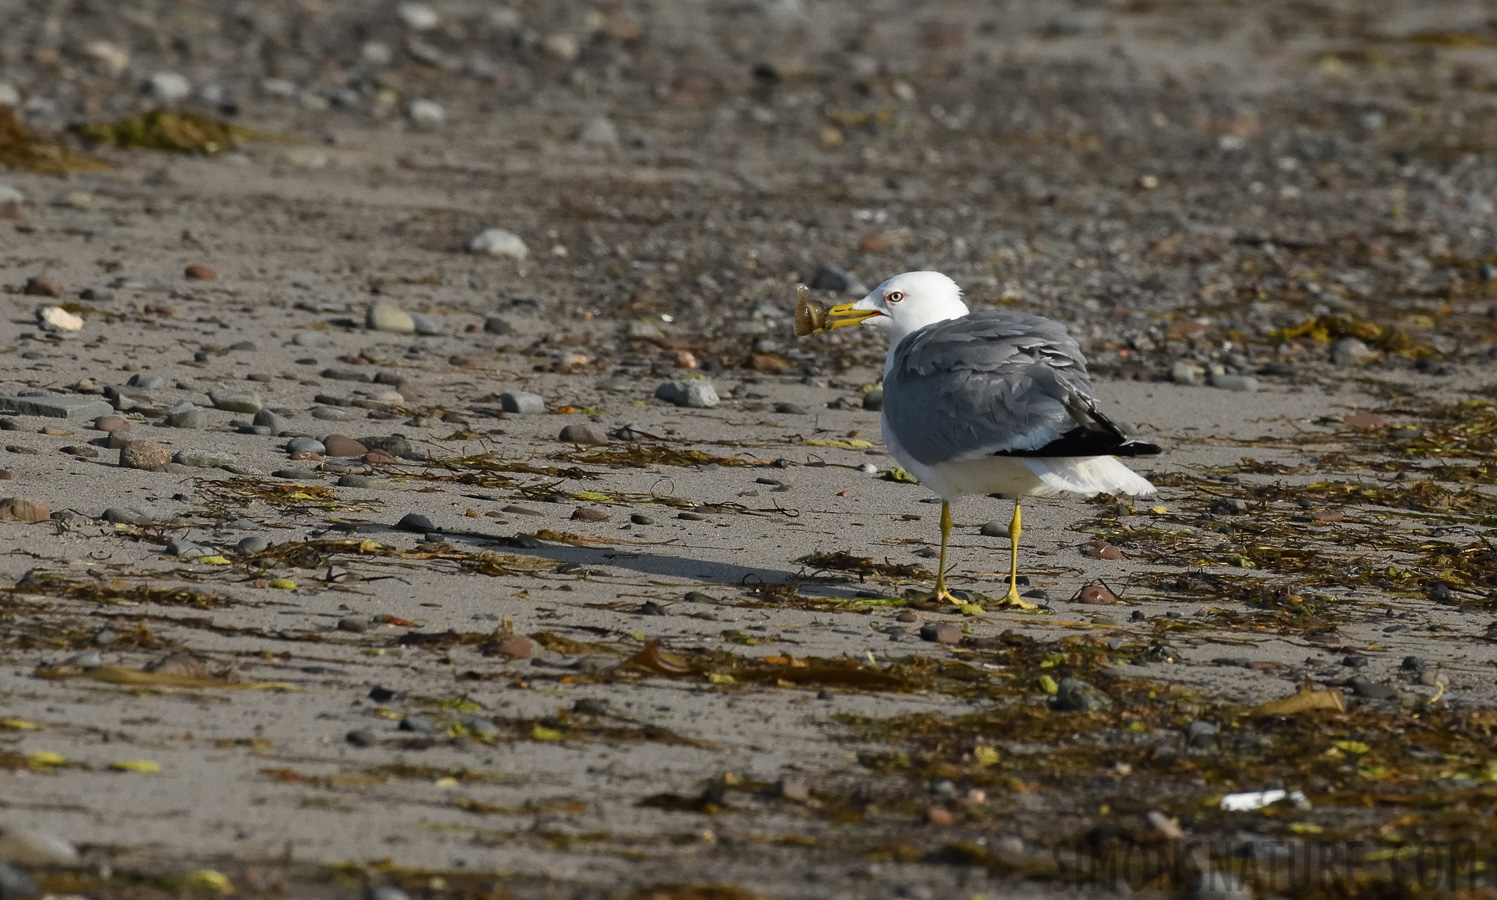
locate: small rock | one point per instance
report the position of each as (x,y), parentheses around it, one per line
(792,789)
(873,401)
(146,381)
(698,394)
(252,544)
(941,633)
(189,417)
(201,459)
(418,724)
(1242,383)
(1097,595)
(385,892)
(1434,678)
(1373,690)
(426,113)
(389,317)
(295,474)
(337,445)
(22,846)
(498,242)
(331,414)
(199,273)
(362,737)
(185,549)
(497,324)
(354,624)
(598,131)
(111,423)
(1100,550)
(1349,351)
(791,409)
(1183,372)
(1075,695)
(939,817)
(586,514)
(55,318)
(416,522)
(1228,506)
(584,433)
(169,87)
(1202,735)
(146,455)
(516,646)
(55,406)
(425,325)
(830,278)
(1414,664)
(305,445)
(641,519)
(994,529)
(522,402)
(39,286)
(24,509)
(232,400)
(1355,662)
(15,883)
(129,515)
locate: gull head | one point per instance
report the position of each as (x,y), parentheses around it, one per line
(903,304)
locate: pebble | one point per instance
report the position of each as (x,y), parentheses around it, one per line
(273,424)
(584,433)
(516,646)
(417,523)
(54,406)
(1228,506)
(39,286)
(418,724)
(1373,690)
(1243,383)
(426,113)
(55,318)
(111,423)
(1414,664)
(641,519)
(941,633)
(305,445)
(146,382)
(189,417)
(366,482)
(24,510)
(362,737)
(252,544)
(587,514)
(498,242)
(994,529)
(1202,735)
(793,789)
(331,414)
(146,455)
(169,87)
(873,401)
(185,549)
(231,400)
(1183,372)
(24,846)
(697,394)
(295,474)
(939,817)
(830,278)
(201,459)
(357,375)
(598,131)
(129,515)
(791,409)
(199,273)
(1075,695)
(1355,662)
(16,883)
(522,402)
(427,326)
(497,325)
(389,317)
(1098,595)
(354,624)
(1434,678)
(1100,550)
(337,445)
(1349,351)
(385,892)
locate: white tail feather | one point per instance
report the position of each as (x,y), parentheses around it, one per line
(1089,475)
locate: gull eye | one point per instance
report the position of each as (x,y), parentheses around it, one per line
(895,296)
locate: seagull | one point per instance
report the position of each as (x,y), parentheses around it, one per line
(988,402)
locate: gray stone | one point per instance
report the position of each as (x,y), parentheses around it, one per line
(1244,383)
(1349,351)
(995,528)
(146,455)
(426,325)
(598,131)
(169,87)
(389,317)
(498,242)
(1183,372)
(331,414)
(522,402)
(305,445)
(336,374)
(497,325)
(187,417)
(1075,695)
(584,433)
(23,846)
(232,400)
(1201,735)
(147,382)
(252,544)
(130,515)
(56,406)
(830,278)
(309,339)
(696,393)
(272,423)
(354,624)
(185,549)
(415,522)
(418,723)
(368,482)
(393,444)
(88,659)
(16,883)
(1373,690)
(362,737)
(200,459)
(873,401)
(295,474)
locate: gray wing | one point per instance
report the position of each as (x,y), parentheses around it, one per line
(993,383)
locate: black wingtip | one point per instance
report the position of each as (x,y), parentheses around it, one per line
(1138,448)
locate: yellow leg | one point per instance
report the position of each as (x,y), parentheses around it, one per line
(941,592)
(1014,530)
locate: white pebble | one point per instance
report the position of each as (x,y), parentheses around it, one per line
(868,469)
(598,132)
(9,96)
(169,87)
(376,54)
(427,112)
(417,16)
(498,242)
(55,318)
(9,194)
